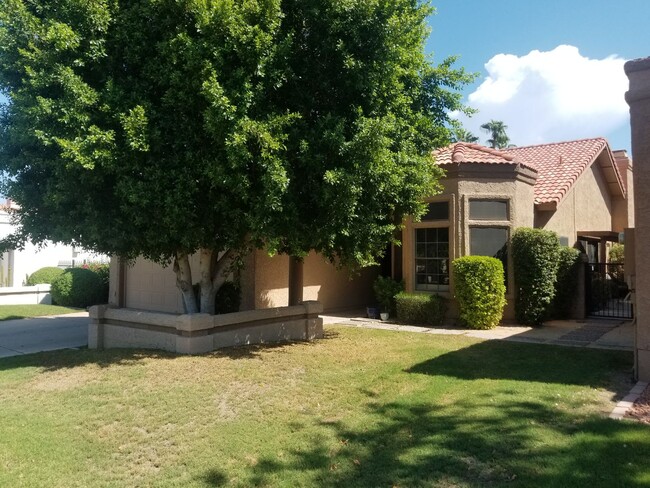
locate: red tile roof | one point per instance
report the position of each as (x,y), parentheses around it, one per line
(560,164)
(465,152)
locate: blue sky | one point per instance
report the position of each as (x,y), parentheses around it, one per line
(555,94)
(559,93)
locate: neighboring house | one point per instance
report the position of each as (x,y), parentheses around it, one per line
(576,188)
(17,265)
(638,98)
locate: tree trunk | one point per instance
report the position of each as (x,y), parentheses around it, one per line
(184,281)
(208,288)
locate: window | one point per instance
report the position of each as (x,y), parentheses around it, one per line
(437,211)
(490,241)
(488,210)
(432,259)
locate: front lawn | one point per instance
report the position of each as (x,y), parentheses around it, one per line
(10,312)
(360,408)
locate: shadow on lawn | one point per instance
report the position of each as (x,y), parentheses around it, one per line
(527,362)
(72,358)
(472,443)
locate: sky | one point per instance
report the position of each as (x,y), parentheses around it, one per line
(550,70)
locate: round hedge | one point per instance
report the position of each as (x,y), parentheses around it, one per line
(480,291)
(78,287)
(44,275)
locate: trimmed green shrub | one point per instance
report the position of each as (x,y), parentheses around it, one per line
(480,291)
(44,275)
(385,289)
(535,256)
(228,298)
(420,308)
(79,287)
(617,253)
(566,286)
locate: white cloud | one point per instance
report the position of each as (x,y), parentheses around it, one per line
(551,96)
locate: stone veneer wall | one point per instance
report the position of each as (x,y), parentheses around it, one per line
(201,333)
(638,98)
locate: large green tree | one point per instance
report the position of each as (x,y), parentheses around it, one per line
(164,128)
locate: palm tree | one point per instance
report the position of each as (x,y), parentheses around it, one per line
(496,129)
(460,134)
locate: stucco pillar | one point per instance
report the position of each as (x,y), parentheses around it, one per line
(638,98)
(117,282)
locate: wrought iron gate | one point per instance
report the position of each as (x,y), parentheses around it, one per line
(607,292)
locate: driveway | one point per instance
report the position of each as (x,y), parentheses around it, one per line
(26,336)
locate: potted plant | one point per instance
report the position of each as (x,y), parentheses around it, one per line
(385,289)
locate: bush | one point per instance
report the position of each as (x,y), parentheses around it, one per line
(44,275)
(566,286)
(79,287)
(385,289)
(420,308)
(480,290)
(535,256)
(228,298)
(617,253)
(102,269)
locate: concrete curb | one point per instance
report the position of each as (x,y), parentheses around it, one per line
(626,403)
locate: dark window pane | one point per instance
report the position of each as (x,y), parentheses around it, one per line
(487,241)
(488,210)
(431,235)
(437,211)
(443,235)
(443,250)
(491,241)
(420,250)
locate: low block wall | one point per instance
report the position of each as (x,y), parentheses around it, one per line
(200,333)
(25,295)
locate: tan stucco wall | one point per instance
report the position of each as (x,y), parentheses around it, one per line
(150,286)
(337,289)
(587,207)
(460,186)
(638,97)
(265,280)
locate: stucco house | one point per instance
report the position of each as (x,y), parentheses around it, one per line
(579,189)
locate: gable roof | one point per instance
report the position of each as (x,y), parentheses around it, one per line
(560,165)
(465,152)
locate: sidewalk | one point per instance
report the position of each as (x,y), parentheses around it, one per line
(592,333)
(26,336)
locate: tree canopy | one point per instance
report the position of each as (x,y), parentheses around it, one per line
(460,134)
(498,136)
(167,127)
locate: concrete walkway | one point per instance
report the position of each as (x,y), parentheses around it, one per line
(26,336)
(591,333)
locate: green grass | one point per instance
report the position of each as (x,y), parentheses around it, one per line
(10,312)
(360,408)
